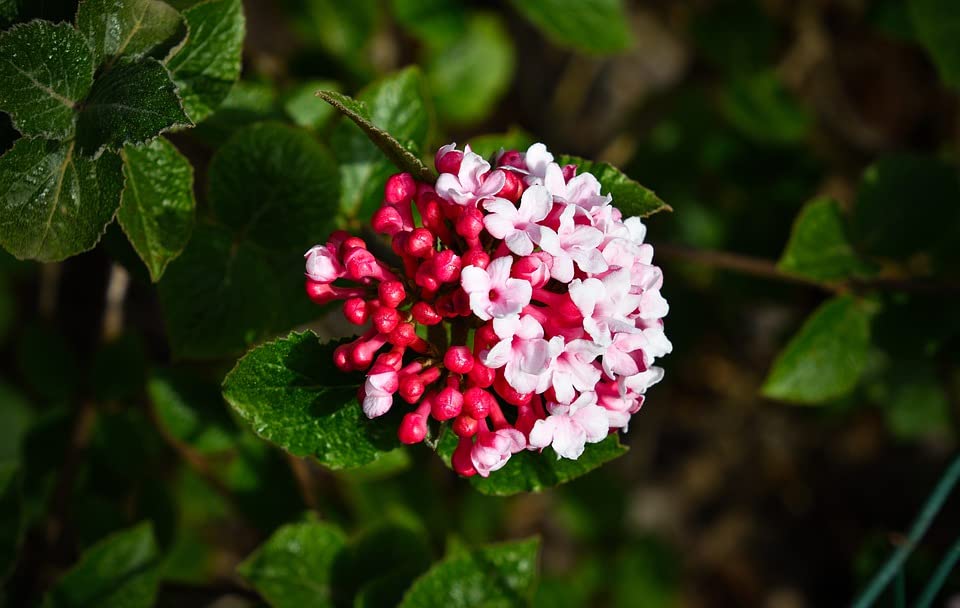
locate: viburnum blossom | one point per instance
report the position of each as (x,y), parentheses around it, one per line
(521,307)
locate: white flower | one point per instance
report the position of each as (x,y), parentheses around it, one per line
(569,427)
(474,182)
(492,292)
(518,227)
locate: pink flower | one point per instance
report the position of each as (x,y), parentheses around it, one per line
(569,428)
(605,304)
(522,352)
(538,158)
(378,392)
(582,190)
(322,264)
(473,182)
(572,243)
(572,368)
(492,450)
(518,227)
(492,292)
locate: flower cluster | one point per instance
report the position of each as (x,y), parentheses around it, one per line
(521,306)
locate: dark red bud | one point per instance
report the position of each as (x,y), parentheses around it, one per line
(477,402)
(446,265)
(385,319)
(481,375)
(465,426)
(476,257)
(420,243)
(449,162)
(387,220)
(461,461)
(512,158)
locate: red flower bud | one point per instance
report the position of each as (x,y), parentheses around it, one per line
(481,375)
(447,404)
(413,428)
(387,220)
(470,223)
(446,265)
(448,161)
(461,461)
(425,314)
(458,359)
(477,402)
(391,293)
(419,243)
(400,188)
(385,320)
(356,310)
(512,187)
(476,257)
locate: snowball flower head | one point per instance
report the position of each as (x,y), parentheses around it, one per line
(524,311)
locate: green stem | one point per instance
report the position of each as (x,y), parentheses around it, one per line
(896,561)
(939,576)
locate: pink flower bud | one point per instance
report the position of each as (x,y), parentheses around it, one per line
(404,334)
(399,188)
(322,264)
(412,429)
(411,388)
(533,269)
(569,171)
(508,393)
(341,357)
(362,264)
(458,359)
(350,243)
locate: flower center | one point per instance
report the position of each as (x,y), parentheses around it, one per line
(494,295)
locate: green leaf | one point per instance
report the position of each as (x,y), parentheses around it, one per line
(208,62)
(16,417)
(628,196)
(133,102)
(121,571)
(533,471)
(223,294)
(115,28)
(394,114)
(937,25)
(470,75)
(290,393)
(46,70)
(436,23)
(55,203)
(591,26)
(764,110)
(293,568)
(825,359)
(11,518)
(275,186)
(190,410)
(248,102)
(907,204)
(495,575)
(345,30)
(157,207)
(378,566)
(302,106)
(818,247)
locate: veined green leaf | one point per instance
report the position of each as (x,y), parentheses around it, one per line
(115,28)
(628,196)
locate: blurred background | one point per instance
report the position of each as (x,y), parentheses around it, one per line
(737,113)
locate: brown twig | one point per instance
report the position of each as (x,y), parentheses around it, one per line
(306,481)
(767,269)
